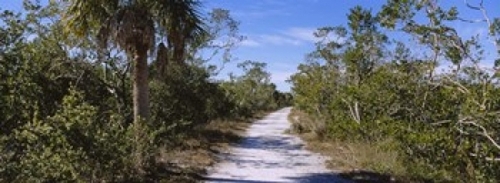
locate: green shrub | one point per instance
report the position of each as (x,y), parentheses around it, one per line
(70,146)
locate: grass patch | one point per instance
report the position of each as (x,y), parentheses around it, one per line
(355,160)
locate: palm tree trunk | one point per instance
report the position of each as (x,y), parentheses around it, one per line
(178,42)
(179,54)
(161,61)
(140,85)
(141,107)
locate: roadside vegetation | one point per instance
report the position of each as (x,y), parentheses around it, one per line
(112,91)
(125,91)
(374,96)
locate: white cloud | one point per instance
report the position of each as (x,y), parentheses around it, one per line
(295,36)
(302,33)
(250,43)
(269,39)
(263,9)
(277,39)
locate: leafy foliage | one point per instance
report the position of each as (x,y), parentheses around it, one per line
(363,89)
(252,91)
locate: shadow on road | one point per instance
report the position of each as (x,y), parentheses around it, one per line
(269,143)
(267,155)
(283,144)
(310,178)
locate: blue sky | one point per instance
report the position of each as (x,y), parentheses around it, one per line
(279,32)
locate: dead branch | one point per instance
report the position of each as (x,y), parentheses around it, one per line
(484,132)
(354,111)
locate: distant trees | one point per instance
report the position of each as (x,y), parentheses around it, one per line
(368,86)
(253,91)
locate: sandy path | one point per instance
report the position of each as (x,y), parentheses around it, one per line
(267,155)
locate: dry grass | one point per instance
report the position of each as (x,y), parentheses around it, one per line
(304,124)
(347,156)
(357,161)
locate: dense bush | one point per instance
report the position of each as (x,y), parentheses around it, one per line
(71,145)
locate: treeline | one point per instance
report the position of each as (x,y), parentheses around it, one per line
(365,83)
(66,97)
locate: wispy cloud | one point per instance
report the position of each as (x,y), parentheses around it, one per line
(277,39)
(250,43)
(262,9)
(295,36)
(302,33)
(259,14)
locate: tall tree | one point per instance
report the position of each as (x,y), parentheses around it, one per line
(134,25)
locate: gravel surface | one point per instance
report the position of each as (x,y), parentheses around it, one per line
(267,154)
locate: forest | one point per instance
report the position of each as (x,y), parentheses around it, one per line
(102,91)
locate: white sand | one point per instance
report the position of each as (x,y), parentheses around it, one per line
(267,154)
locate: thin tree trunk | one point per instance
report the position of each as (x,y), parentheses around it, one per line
(140,86)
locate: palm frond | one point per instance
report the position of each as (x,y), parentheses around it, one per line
(85,15)
(179,17)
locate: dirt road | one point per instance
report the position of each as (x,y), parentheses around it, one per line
(267,154)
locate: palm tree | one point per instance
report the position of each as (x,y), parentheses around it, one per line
(133,25)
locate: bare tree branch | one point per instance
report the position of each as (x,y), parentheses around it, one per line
(484,132)
(354,111)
